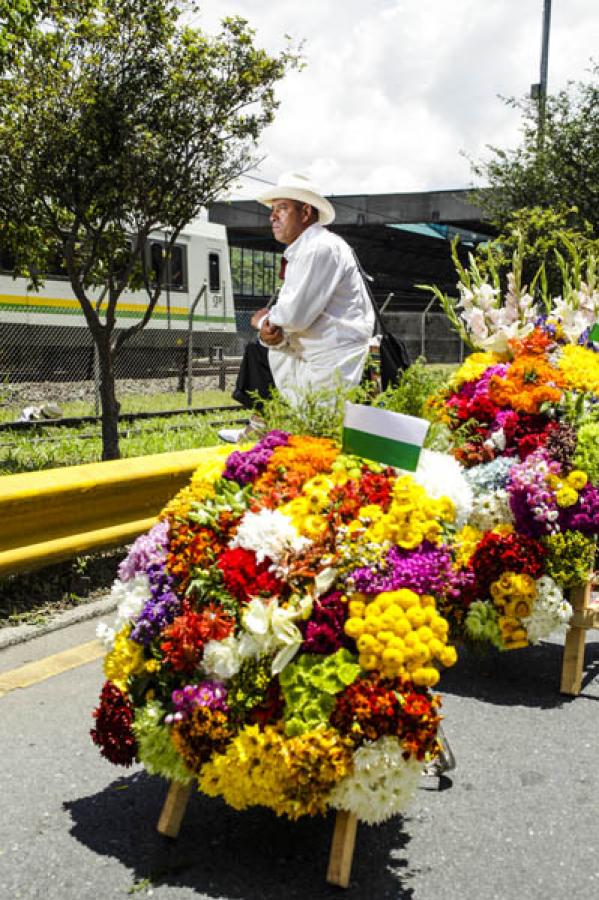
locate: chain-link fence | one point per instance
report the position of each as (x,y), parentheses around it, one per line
(57,368)
(46,365)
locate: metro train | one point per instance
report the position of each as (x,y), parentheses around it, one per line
(44,335)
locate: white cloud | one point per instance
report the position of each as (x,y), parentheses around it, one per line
(394,90)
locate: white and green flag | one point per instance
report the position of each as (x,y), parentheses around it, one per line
(384,436)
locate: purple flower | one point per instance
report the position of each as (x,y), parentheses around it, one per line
(323,632)
(211,694)
(426,570)
(584,515)
(245,466)
(160,610)
(148,550)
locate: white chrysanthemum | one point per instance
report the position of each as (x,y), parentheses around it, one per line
(130,597)
(550,612)
(382,783)
(490,510)
(442,476)
(269,533)
(222,659)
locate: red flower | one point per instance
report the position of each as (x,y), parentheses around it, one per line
(113,733)
(372,707)
(184,641)
(245,578)
(498,553)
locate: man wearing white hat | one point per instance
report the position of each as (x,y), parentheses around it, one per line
(322,321)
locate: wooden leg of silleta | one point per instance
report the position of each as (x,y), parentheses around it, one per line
(342,849)
(174,808)
(573,659)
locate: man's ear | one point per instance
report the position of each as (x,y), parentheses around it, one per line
(309,214)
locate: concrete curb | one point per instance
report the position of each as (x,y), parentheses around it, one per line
(19,634)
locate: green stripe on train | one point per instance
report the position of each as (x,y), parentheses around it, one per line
(121,314)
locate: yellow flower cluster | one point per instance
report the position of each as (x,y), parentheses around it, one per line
(292,776)
(126,659)
(201,484)
(566,487)
(472,369)
(305,511)
(466,541)
(400,633)
(514,596)
(412,517)
(580,367)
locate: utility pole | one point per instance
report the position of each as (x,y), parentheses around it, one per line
(538,91)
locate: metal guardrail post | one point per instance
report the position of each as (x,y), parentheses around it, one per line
(202,290)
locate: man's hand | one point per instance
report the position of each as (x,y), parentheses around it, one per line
(271,335)
(256,318)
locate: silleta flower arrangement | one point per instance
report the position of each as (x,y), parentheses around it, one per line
(277,633)
(524,419)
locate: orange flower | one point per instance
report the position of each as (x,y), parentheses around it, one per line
(291,466)
(529,382)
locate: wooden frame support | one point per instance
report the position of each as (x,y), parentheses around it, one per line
(342,845)
(584,617)
(342,849)
(174,808)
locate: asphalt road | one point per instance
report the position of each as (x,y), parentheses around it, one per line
(517,820)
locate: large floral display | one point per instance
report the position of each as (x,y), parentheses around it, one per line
(524,421)
(278,631)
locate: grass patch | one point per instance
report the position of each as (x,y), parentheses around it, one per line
(48,448)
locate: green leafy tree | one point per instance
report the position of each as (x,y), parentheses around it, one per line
(540,236)
(559,170)
(116,119)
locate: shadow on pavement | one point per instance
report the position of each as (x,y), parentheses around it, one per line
(527,677)
(223,853)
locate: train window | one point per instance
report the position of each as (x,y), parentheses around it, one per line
(214,272)
(255,273)
(171,273)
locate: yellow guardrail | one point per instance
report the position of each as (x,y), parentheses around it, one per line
(50,516)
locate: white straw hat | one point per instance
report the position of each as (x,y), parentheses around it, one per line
(292,186)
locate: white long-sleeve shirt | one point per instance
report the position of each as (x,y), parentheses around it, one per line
(325,313)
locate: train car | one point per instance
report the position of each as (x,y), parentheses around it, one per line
(44,336)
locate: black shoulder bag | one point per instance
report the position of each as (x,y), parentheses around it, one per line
(394,355)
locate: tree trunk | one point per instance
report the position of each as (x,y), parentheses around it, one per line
(110,405)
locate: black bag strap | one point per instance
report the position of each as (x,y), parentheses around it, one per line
(382,328)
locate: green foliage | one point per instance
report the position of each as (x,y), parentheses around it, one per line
(155,747)
(587,450)
(571,557)
(540,236)
(319,413)
(309,686)
(558,169)
(415,386)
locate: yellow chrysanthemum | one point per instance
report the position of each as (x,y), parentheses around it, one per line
(580,368)
(126,659)
(400,633)
(201,485)
(473,367)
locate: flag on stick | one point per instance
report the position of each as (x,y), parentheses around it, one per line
(384,436)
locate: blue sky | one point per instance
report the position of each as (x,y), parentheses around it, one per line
(394,92)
